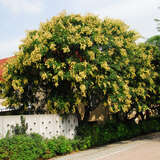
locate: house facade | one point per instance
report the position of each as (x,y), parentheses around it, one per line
(2,63)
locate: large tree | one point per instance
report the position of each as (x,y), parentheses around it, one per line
(75,59)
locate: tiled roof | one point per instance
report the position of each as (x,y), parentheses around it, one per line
(2,62)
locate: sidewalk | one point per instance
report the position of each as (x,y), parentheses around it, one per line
(142,148)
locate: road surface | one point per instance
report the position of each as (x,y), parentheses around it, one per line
(142,148)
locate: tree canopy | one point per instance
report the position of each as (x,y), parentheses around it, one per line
(73,59)
(154,40)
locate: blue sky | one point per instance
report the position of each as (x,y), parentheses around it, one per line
(17,16)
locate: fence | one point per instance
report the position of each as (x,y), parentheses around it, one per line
(45,125)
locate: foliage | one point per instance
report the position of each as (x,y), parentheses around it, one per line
(84,143)
(51,143)
(45,152)
(154,40)
(60,145)
(33,146)
(20,129)
(113,131)
(21,147)
(75,59)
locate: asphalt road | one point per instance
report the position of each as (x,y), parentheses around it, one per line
(142,148)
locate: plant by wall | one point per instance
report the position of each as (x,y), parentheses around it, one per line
(20,129)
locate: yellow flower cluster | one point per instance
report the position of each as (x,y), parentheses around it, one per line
(36,82)
(55,78)
(66,50)
(126,91)
(126,61)
(94,68)
(99,39)
(36,55)
(55,104)
(47,35)
(123,52)
(86,30)
(44,76)
(128,101)
(125,108)
(78,78)
(5,102)
(109,101)
(111,109)
(105,66)
(118,42)
(53,47)
(116,108)
(92,55)
(111,52)
(140,91)
(89,42)
(99,79)
(83,90)
(82,74)
(25,81)
(16,84)
(144,73)
(82,46)
(132,71)
(56,84)
(105,104)
(78,101)
(116,88)
(60,73)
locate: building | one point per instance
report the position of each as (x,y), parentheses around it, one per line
(2,63)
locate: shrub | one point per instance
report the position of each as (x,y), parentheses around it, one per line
(134,129)
(4,153)
(63,145)
(59,145)
(156,125)
(75,143)
(41,143)
(52,146)
(150,125)
(94,135)
(21,147)
(107,136)
(84,142)
(20,129)
(33,146)
(122,131)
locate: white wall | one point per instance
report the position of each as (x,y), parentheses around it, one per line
(46,125)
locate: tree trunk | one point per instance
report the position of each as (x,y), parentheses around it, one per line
(85,118)
(86,115)
(78,115)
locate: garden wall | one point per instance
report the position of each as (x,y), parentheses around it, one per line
(45,125)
